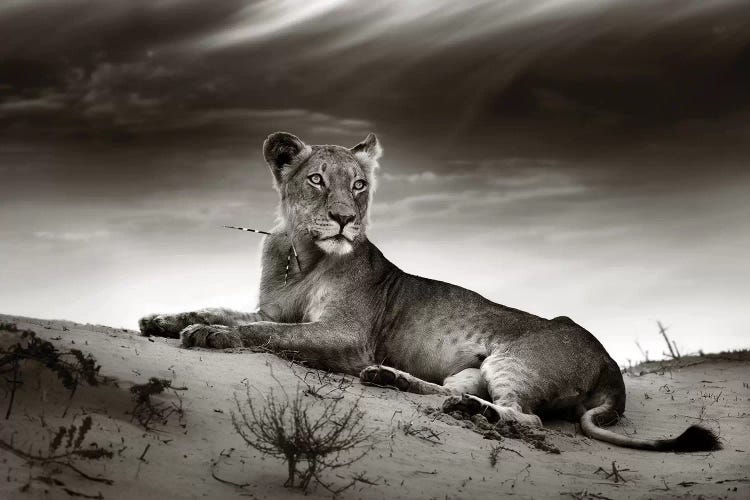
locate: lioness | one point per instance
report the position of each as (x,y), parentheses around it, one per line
(343,306)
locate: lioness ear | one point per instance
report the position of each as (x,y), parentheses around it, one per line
(368,150)
(284,152)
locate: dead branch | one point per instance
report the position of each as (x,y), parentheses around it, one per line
(495,452)
(422,432)
(665,488)
(674,344)
(214,463)
(643,353)
(663,331)
(615,474)
(74,493)
(585,495)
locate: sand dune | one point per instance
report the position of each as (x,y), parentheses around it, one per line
(446,460)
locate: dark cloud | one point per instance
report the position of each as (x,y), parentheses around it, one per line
(521,76)
(627,94)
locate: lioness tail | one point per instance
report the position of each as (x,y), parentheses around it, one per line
(695,438)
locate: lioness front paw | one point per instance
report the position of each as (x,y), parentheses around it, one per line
(214,336)
(161,325)
(385,377)
(170,325)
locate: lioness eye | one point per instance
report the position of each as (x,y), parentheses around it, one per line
(316,179)
(360,184)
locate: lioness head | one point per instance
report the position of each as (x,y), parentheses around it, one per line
(325,190)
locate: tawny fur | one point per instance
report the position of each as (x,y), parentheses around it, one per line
(347,308)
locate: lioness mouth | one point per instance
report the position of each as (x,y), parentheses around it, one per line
(338,237)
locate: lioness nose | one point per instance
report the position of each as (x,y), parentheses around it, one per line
(342,219)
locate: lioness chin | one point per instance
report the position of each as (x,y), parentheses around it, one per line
(342,306)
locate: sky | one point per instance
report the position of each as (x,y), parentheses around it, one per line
(585,158)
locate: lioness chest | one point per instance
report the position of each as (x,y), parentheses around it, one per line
(300,303)
(324,294)
(317,300)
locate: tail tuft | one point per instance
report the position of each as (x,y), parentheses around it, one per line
(695,438)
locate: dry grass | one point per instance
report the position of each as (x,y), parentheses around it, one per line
(65,450)
(71,367)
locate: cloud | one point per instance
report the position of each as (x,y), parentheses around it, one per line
(267,120)
(505,172)
(148,97)
(458,202)
(472,199)
(427,176)
(34,106)
(266,19)
(346,132)
(73,237)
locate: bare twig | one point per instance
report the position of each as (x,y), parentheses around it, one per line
(323,385)
(643,353)
(214,463)
(615,474)
(585,495)
(74,493)
(422,432)
(663,331)
(361,478)
(674,344)
(666,486)
(14,385)
(495,452)
(145,450)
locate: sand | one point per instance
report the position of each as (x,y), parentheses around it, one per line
(416,455)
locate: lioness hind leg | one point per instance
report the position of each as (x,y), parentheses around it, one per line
(385,376)
(468,381)
(511,388)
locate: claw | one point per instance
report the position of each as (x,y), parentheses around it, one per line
(214,336)
(384,377)
(469,404)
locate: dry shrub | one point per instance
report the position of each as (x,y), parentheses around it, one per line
(71,367)
(146,411)
(66,450)
(310,435)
